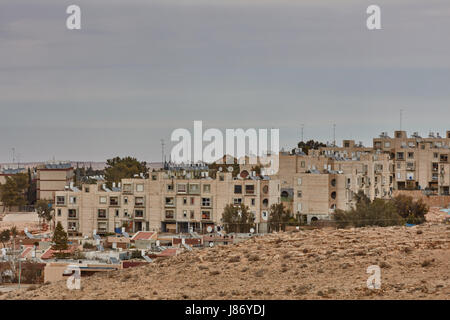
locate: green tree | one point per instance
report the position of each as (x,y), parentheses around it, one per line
(278,217)
(379,212)
(59,238)
(13,191)
(412,211)
(238,218)
(44,210)
(310,145)
(5,236)
(123,168)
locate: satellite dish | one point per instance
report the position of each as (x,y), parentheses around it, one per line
(265,216)
(252,230)
(209,229)
(211,244)
(220,169)
(230,169)
(183,241)
(158,243)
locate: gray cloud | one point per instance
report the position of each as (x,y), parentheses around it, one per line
(136,71)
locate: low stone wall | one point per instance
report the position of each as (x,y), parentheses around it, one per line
(430,200)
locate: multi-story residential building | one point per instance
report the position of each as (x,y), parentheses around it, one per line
(315,185)
(52,178)
(311,186)
(419,163)
(164,202)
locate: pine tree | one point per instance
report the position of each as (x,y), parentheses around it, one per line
(59,238)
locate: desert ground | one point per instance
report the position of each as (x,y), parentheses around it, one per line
(304,264)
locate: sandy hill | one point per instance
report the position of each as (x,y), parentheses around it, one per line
(310,264)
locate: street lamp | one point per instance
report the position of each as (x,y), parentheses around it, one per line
(20,265)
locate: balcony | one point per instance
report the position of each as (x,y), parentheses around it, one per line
(139,202)
(114,201)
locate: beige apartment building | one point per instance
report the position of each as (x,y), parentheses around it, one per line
(314,186)
(52,178)
(419,163)
(165,202)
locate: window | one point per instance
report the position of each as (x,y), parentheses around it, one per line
(250,189)
(72,213)
(127,188)
(444,158)
(117,212)
(194,188)
(265,203)
(139,201)
(181,188)
(102,200)
(185,200)
(435,155)
(170,201)
(400,156)
(184,213)
(333,182)
(221,178)
(299,207)
(387,144)
(125,200)
(154,177)
(302,164)
(86,189)
(299,181)
(125,213)
(237,201)
(411,155)
(101,213)
(192,214)
(60,200)
(73,200)
(170,214)
(238,189)
(333,195)
(138,213)
(169,187)
(140,188)
(113,201)
(299,194)
(265,189)
(59,212)
(207,188)
(192,201)
(72,226)
(253,201)
(102,227)
(206,202)
(206,215)
(265,215)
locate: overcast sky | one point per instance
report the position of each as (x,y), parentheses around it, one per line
(139,69)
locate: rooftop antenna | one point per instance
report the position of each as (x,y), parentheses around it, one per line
(334,134)
(302,127)
(162,150)
(401,119)
(13,155)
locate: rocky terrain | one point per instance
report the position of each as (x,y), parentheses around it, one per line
(307,264)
